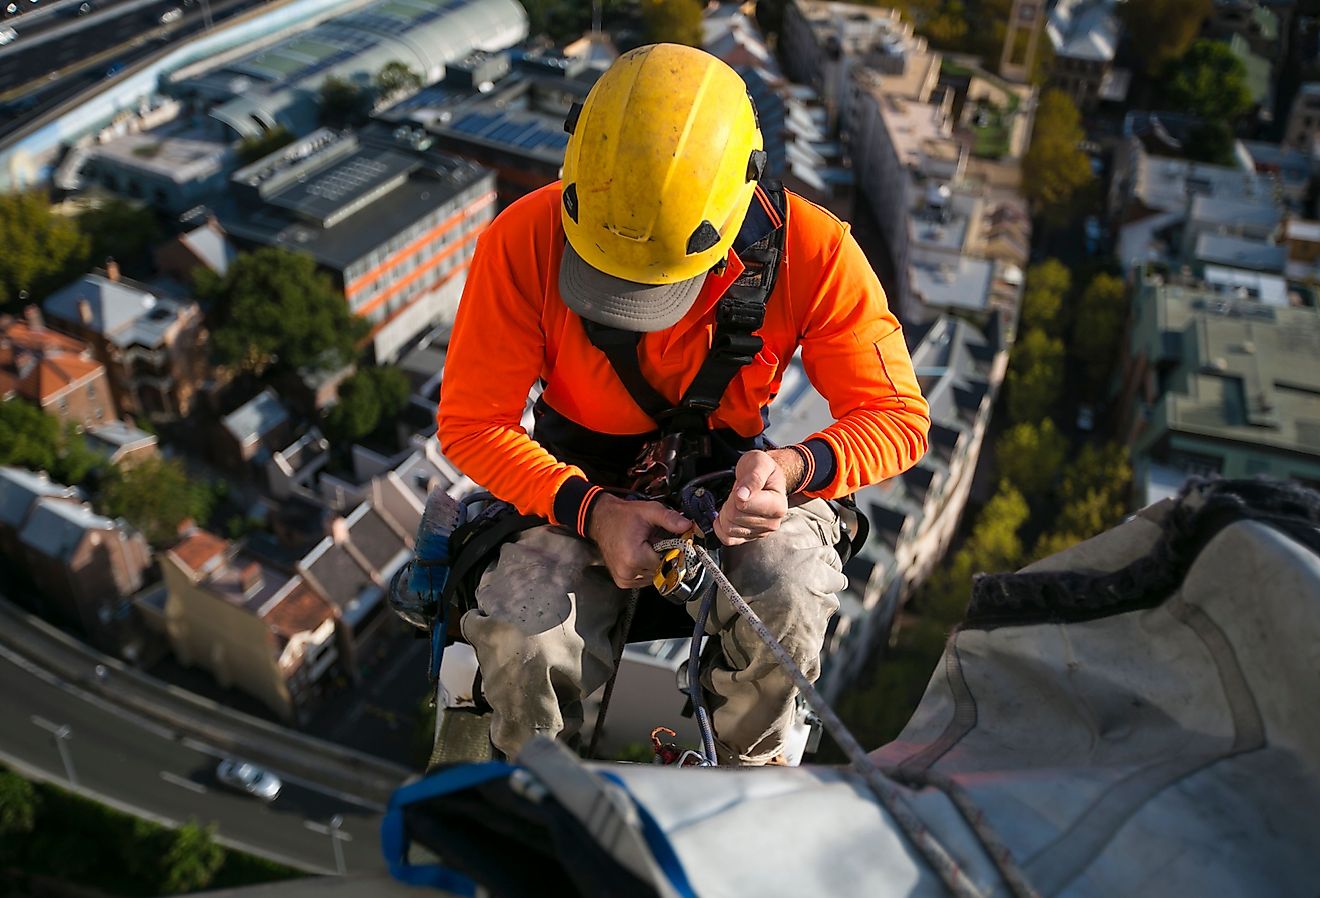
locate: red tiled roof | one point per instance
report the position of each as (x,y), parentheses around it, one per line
(198,548)
(38,363)
(299,611)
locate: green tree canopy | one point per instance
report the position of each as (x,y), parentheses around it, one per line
(342,103)
(368,398)
(1048,283)
(122,230)
(155,496)
(1161,30)
(1098,328)
(277,311)
(396,77)
(42,251)
(190,860)
(1056,168)
(673,21)
(30,438)
(1035,376)
(1210,81)
(1030,456)
(18,805)
(993,545)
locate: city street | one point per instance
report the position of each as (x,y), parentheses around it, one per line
(145,769)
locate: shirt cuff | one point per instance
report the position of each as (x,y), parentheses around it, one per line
(819,462)
(573,504)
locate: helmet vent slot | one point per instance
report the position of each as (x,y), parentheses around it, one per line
(571,202)
(756,165)
(703,238)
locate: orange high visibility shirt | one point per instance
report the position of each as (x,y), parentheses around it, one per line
(513,328)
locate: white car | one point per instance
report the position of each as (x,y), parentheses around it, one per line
(7,36)
(248,778)
(173,14)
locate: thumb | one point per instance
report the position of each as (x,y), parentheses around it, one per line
(665,518)
(754,469)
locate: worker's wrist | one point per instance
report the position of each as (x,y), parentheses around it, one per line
(818,465)
(574,503)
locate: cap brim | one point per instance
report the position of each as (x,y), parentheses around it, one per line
(627,305)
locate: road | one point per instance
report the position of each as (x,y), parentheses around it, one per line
(67,56)
(141,767)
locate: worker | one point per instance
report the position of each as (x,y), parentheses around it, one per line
(662,232)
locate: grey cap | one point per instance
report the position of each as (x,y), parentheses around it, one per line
(627,305)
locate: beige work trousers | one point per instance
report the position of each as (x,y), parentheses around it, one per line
(548,611)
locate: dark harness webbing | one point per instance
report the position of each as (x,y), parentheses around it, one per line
(739,314)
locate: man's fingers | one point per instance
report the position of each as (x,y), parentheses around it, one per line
(754,470)
(665,518)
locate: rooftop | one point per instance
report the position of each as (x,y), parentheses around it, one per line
(181,160)
(1164,183)
(39,364)
(122,311)
(210,245)
(1084,29)
(255,418)
(111,438)
(1240,252)
(341,196)
(19,488)
(56,528)
(950,281)
(1246,371)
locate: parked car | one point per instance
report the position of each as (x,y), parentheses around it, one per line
(84,8)
(248,779)
(173,14)
(7,36)
(114,69)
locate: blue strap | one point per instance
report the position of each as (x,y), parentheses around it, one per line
(438,647)
(394,840)
(661,848)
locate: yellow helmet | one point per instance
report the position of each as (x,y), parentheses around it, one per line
(660,167)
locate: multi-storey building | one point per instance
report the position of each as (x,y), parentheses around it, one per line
(154,347)
(393,222)
(1220,383)
(1085,35)
(54,371)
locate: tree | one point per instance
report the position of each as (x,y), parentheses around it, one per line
(29,438)
(1161,30)
(155,496)
(395,78)
(42,251)
(342,103)
(1057,169)
(1098,328)
(673,21)
(369,397)
(121,230)
(947,29)
(1030,456)
(1210,81)
(250,149)
(1047,284)
(993,545)
(276,311)
(18,805)
(1211,142)
(1103,468)
(190,861)
(1035,376)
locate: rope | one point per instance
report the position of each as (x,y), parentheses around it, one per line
(955,879)
(624,626)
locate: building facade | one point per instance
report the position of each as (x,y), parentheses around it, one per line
(393,221)
(54,371)
(154,348)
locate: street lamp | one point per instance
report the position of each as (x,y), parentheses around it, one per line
(336,835)
(62,733)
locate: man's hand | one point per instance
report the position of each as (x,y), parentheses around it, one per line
(759,500)
(624,531)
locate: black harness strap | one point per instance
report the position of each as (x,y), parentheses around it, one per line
(739,314)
